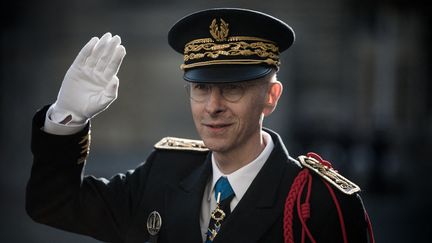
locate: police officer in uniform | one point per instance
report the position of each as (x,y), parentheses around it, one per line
(238,184)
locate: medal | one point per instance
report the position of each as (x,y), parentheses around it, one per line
(217,215)
(154,224)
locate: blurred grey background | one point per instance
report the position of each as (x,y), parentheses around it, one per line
(357,90)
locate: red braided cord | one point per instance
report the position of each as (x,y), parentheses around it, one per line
(298,183)
(341,218)
(370,230)
(300,212)
(305,207)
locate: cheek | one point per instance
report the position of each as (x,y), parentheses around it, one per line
(195,112)
(253,111)
(198,115)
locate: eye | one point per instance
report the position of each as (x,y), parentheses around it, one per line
(232,88)
(200,87)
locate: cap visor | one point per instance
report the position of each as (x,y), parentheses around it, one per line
(226,73)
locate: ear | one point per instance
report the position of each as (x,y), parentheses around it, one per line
(273,94)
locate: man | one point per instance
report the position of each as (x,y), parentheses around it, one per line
(237,185)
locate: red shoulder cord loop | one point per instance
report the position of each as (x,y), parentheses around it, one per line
(339,210)
(370,229)
(303,210)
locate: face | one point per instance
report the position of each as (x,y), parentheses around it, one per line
(225,125)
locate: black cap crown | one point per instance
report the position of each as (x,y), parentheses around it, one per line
(229,44)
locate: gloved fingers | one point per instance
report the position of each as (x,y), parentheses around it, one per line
(98,50)
(108,53)
(85,51)
(115,62)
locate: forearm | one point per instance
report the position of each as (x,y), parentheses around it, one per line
(56,172)
(57,192)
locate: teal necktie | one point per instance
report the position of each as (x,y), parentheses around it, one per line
(223,195)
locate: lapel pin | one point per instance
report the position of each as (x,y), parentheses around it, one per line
(154,223)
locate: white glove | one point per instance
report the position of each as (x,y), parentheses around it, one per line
(91,83)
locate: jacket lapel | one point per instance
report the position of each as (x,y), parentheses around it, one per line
(263,202)
(184,205)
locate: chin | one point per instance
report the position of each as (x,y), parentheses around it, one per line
(215,145)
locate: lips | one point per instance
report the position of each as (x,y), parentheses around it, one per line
(216,127)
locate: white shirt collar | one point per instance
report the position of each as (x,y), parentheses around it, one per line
(241,179)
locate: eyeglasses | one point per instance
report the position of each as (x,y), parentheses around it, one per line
(232,92)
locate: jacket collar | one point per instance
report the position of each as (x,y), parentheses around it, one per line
(262,202)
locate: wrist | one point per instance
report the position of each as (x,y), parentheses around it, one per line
(63,116)
(53,127)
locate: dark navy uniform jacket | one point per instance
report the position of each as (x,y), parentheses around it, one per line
(172,183)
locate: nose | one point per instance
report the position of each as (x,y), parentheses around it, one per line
(215,103)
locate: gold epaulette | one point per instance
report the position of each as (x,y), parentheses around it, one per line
(329,174)
(181,144)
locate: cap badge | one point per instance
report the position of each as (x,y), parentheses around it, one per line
(154,223)
(219,32)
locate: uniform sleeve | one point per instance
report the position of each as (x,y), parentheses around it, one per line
(59,195)
(325,219)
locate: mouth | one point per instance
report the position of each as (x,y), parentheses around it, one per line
(219,127)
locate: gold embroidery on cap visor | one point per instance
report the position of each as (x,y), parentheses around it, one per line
(222,49)
(237,50)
